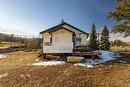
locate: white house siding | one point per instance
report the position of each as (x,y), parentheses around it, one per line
(83,36)
(46,37)
(61,42)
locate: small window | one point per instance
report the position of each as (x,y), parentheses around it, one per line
(50,39)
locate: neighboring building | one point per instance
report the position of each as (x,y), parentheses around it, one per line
(98,36)
(63,38)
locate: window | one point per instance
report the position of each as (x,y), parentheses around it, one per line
(50,39)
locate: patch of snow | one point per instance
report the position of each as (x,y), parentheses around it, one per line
(21,75)
(37,59)
(122,61)
(3,75)
(84,65)
(2,56)
(49,63)
(105,56)
(90,66)
(110,66)
(79,64)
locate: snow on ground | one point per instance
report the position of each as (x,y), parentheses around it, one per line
(84,65)
(2,56)
(79,64)
(105,56)
(123,62)
(21,75)
(90,66)
(37,59)
(49,63)
(3,75)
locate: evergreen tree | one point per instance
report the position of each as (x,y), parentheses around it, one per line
(93,42)
(121,15)
(104,43)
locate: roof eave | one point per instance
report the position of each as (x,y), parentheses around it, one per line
(56,30)
(62,27)
(77,29)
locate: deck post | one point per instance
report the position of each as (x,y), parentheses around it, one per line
(44,55)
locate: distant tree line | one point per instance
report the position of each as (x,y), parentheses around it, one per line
(29,43)
(34,43)
(11,38)
(119,43)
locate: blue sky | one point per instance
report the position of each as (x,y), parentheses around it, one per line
(33,16)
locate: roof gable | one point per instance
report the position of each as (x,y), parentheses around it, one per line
(60,26)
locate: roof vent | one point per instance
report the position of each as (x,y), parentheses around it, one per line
(62,21)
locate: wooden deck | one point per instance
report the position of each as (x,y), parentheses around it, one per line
(82,54)
(84,51)
(78,51)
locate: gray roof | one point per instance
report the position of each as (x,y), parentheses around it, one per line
(60,26)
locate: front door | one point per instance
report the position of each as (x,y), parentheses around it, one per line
(57,42)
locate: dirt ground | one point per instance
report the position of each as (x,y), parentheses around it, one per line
(21,73)
(125,49)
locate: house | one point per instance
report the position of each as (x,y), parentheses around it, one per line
(63,38)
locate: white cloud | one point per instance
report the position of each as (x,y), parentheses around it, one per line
(120,37)
(11,25)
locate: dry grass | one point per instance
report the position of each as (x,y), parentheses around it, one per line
(21,73)
(8,44)
(4,44)
(17,59)
(125,49)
